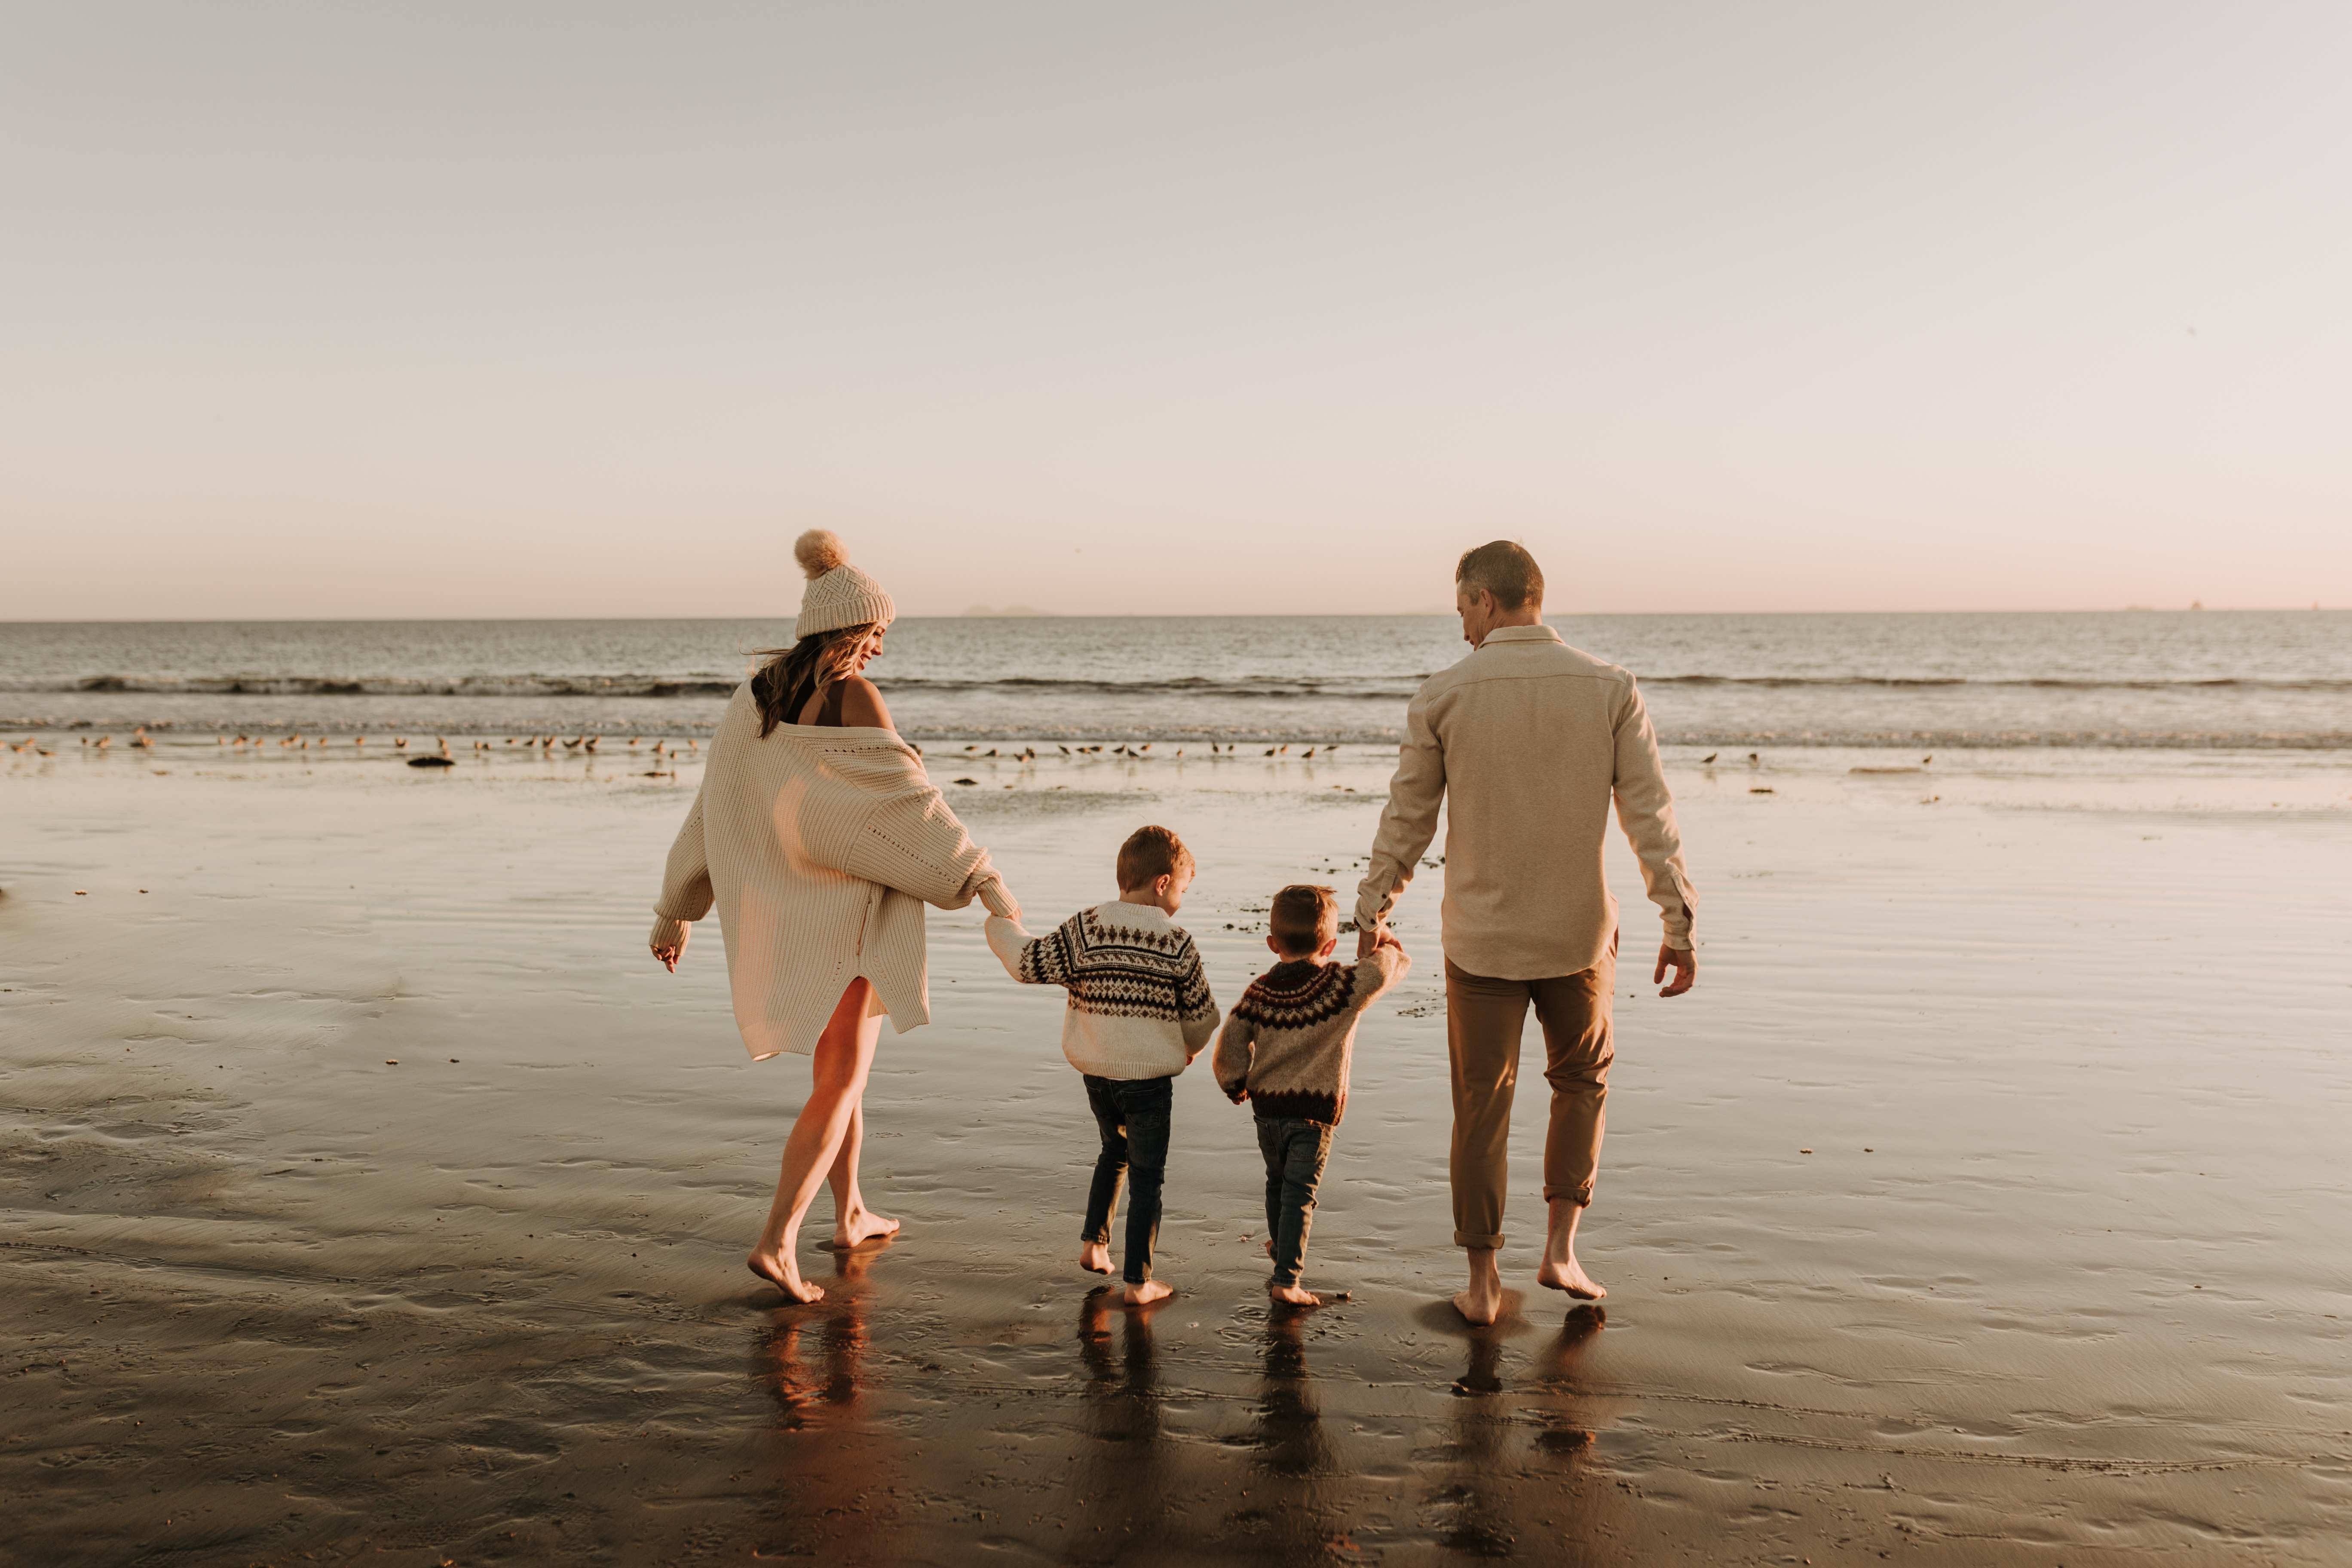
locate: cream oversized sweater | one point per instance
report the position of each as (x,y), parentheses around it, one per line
(819,848)
(1528,741)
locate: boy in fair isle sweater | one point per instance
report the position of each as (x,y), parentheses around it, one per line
(1286,1049)
(1140,1012)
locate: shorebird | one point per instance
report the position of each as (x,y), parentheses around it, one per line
(693,745)
(1926,760)
(358,739)
(1754,761)
(573,745)
(104,741)
(634,740)
(1308,753)
(1708,758)
(1269,750)
(400,740)
(1064,750)
(593,740)
(1146,747)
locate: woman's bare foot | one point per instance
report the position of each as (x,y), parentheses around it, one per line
(1483,1302)
(1094,1257)
(780,1272)
(1150,1290)
(862,1225)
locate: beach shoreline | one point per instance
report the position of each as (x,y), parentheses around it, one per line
(278,1295)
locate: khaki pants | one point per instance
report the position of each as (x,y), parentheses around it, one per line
(1484,1019)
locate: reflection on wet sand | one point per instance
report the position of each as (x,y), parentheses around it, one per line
(1117,1492)
(825,1467)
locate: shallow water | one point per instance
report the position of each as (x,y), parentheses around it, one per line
(271,1295)
(2243,678)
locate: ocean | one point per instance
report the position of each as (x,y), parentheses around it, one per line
(2186,680)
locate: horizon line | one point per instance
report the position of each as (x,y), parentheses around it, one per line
(1143,616)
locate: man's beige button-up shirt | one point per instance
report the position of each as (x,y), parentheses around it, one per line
(1525,741)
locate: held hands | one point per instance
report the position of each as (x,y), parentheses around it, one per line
(1375,936)
(998,899)
(1683,961)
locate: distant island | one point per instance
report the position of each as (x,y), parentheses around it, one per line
(1009,610)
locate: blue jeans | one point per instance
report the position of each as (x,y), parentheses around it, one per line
(1295,1152)
(1132,1115)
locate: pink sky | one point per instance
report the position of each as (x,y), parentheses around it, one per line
(442,310)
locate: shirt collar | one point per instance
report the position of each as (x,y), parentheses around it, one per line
(1521,634)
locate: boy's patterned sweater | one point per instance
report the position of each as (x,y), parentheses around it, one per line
(1139,1003)
(1287,1044)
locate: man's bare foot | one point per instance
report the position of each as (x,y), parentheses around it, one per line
(780,1272)
(1269,1247)
(862,1225)
(1483,1302)
(1292,1296)
(1560,1269)
(1150,1290)
(1567,1274)
(1094,1257)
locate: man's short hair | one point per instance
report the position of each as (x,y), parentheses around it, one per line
(1150,854)
(1303,918)
(1504,570)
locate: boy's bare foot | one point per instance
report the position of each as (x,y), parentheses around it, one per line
(862,1225)
(1094,1257)
(1292,1296)
(1150,1290)
(780,1272)
(1483,1302)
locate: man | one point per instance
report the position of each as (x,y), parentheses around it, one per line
(1532,739)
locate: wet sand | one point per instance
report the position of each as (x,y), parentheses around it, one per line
(2062,1279)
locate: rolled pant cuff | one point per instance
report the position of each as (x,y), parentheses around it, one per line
(1580,1196)
(1478,1243)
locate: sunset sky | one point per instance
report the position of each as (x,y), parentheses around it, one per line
(538,309)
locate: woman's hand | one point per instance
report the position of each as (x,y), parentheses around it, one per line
(670,953)
(998,899)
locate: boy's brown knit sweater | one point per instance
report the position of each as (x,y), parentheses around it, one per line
(1286,1043)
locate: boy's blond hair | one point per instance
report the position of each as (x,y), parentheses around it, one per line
(1304,917)
(1150,854)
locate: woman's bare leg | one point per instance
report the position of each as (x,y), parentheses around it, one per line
(853,1222)
(836,1082)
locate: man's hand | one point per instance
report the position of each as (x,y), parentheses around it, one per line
(670,955)
(1682,961)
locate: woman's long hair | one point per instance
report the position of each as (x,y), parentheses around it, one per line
(780,686)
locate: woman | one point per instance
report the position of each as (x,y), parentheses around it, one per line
(819,839)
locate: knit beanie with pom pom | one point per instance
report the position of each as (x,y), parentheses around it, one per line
(838,595)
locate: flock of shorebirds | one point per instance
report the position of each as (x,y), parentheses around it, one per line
(1133,753)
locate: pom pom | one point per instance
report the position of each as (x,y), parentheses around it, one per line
(819,551)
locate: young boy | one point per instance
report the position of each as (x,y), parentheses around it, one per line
(1140,1012)
(1286,1050)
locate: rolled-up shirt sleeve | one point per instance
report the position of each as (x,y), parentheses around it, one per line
(1409,821)
(1646,811)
